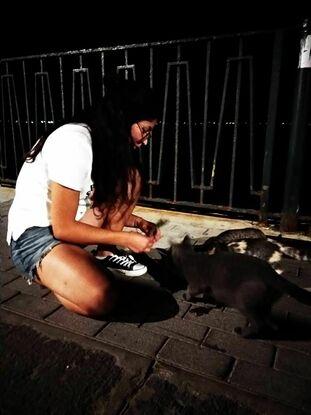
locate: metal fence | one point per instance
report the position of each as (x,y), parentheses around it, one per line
(227,105)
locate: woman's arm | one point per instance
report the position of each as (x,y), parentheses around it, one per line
(133,221)
(149,228)
(66,228)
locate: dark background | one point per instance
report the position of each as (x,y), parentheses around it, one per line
(48,27)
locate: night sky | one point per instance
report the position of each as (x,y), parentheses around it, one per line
(25,30)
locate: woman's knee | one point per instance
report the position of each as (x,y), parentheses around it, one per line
(101,300)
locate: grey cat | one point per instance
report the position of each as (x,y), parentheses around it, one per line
(252,241)
(243,282)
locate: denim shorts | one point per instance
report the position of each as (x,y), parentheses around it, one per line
(30,248)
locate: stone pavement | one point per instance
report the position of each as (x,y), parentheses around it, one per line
(158,354)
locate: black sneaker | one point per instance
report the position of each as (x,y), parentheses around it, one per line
(126,264)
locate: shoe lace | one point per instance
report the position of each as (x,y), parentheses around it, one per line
(125,261)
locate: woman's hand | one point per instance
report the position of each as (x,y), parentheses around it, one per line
(150,229)
(139,243)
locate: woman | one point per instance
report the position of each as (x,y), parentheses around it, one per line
(78,186)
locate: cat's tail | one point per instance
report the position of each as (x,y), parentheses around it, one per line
(293,290)
(291,251)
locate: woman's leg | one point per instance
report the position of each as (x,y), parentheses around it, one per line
(77,281)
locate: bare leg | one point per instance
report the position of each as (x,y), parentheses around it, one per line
(77,281)
(73,274)
(69,305)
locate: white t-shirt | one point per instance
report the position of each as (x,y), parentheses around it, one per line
(66,158)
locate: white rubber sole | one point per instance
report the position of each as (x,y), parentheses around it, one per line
(134,273)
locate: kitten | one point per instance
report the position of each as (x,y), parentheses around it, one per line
(254,242)
(243,282)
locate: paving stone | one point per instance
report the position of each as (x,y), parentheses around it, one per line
(141,303)
(34,289)
(6,262)
(302,282)
(6,293)
(5,248)
(300,321)
(41,383)
(295,333)
(145,280)
(288,382)
(3,224)
(5,257)
(51,297)
(288,304)
(178,328)
(250,350)
(206,390)
(303,346)
(231,310)
(216,318)
(163,395)
(77,323)
(30,306)
(183,308)
(278,385)
(291,270)
(293,275)
(194,358)
(178,295)
(131,338)
(7,276)
(4,208)
(294,362)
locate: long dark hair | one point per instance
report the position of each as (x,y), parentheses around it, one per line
(109,120)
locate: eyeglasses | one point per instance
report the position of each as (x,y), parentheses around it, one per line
(145,132)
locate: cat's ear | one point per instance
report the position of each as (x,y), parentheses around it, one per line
(186,241)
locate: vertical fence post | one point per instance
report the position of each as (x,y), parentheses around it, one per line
(271,123)
(289,218)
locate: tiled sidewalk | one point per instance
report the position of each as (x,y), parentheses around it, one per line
(174,354)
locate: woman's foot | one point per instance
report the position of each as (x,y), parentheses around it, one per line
(126,264)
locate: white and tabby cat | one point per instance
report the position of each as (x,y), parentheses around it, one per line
(252,241)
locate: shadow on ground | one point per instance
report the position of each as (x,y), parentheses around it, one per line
(40,375)
(159,396)
(293,328)
(163,271)
(141,302)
